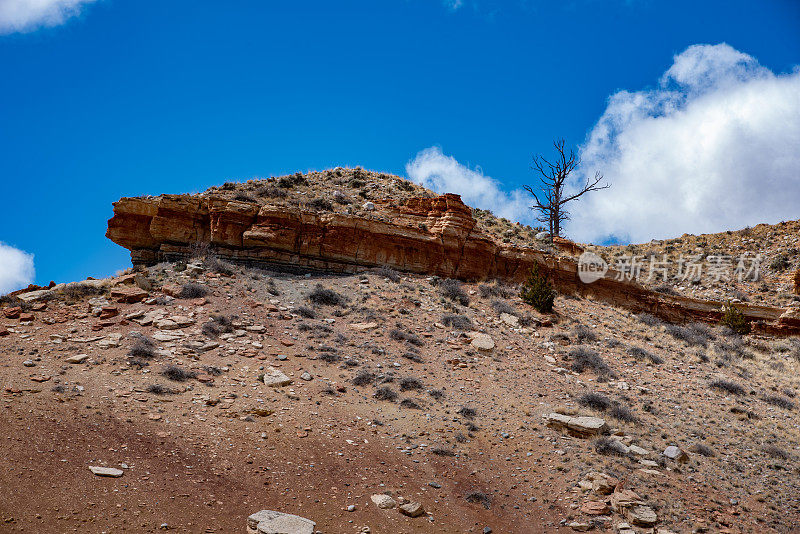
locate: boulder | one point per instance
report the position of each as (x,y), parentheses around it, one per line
(272,522)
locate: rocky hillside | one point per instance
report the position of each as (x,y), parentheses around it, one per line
(775,245)
(190,392)
(218,390)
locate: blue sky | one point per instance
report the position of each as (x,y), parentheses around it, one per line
(117,98)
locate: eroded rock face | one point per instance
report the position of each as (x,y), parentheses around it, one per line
(424,235)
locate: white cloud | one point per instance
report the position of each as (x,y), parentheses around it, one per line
(715,146)
(453,4)
(444,174)
(16,268)
(28,15)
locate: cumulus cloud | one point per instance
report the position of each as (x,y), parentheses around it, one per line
(444,174)
(16,268)
(714,146)
(28,15)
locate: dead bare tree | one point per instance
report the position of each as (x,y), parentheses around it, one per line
(553,178)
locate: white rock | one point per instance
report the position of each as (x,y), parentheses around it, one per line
(106,471)
(275,378)
(78,358)
(364,326)
(272,522)
(582,427)
(510,320)
(481,341)
(383,501)
(369,206)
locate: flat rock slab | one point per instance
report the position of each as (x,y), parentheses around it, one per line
(272,522)
(31,296)
(580,427)
(78,358)
(364,326)
(106,471)
(128,294)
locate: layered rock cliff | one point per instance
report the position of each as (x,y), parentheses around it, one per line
(425,235)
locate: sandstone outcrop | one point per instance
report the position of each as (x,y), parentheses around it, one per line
(426,235)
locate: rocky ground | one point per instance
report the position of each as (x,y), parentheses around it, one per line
(776,245)
(218,391)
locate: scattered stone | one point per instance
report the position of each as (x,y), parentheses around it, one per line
(676,453)
(580,427)
(602,484)
(107,312)
(351,508)
(635,449)
(481,341)
(272,522)
(128,294)
(510,320)
(412,509)
(106,471)
(383,501)
(275,378)
(162,335)
(78,358)
(579,526)
(112,340)
(306,376)
(364,326)
(369,206)
(595,508)
(642,516)
(12,313)
(623,499)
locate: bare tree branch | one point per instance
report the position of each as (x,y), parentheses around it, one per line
(553,177)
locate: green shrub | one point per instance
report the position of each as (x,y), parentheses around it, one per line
(537,291)
(734,319)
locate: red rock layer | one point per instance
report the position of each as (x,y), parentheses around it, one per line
(433,236)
